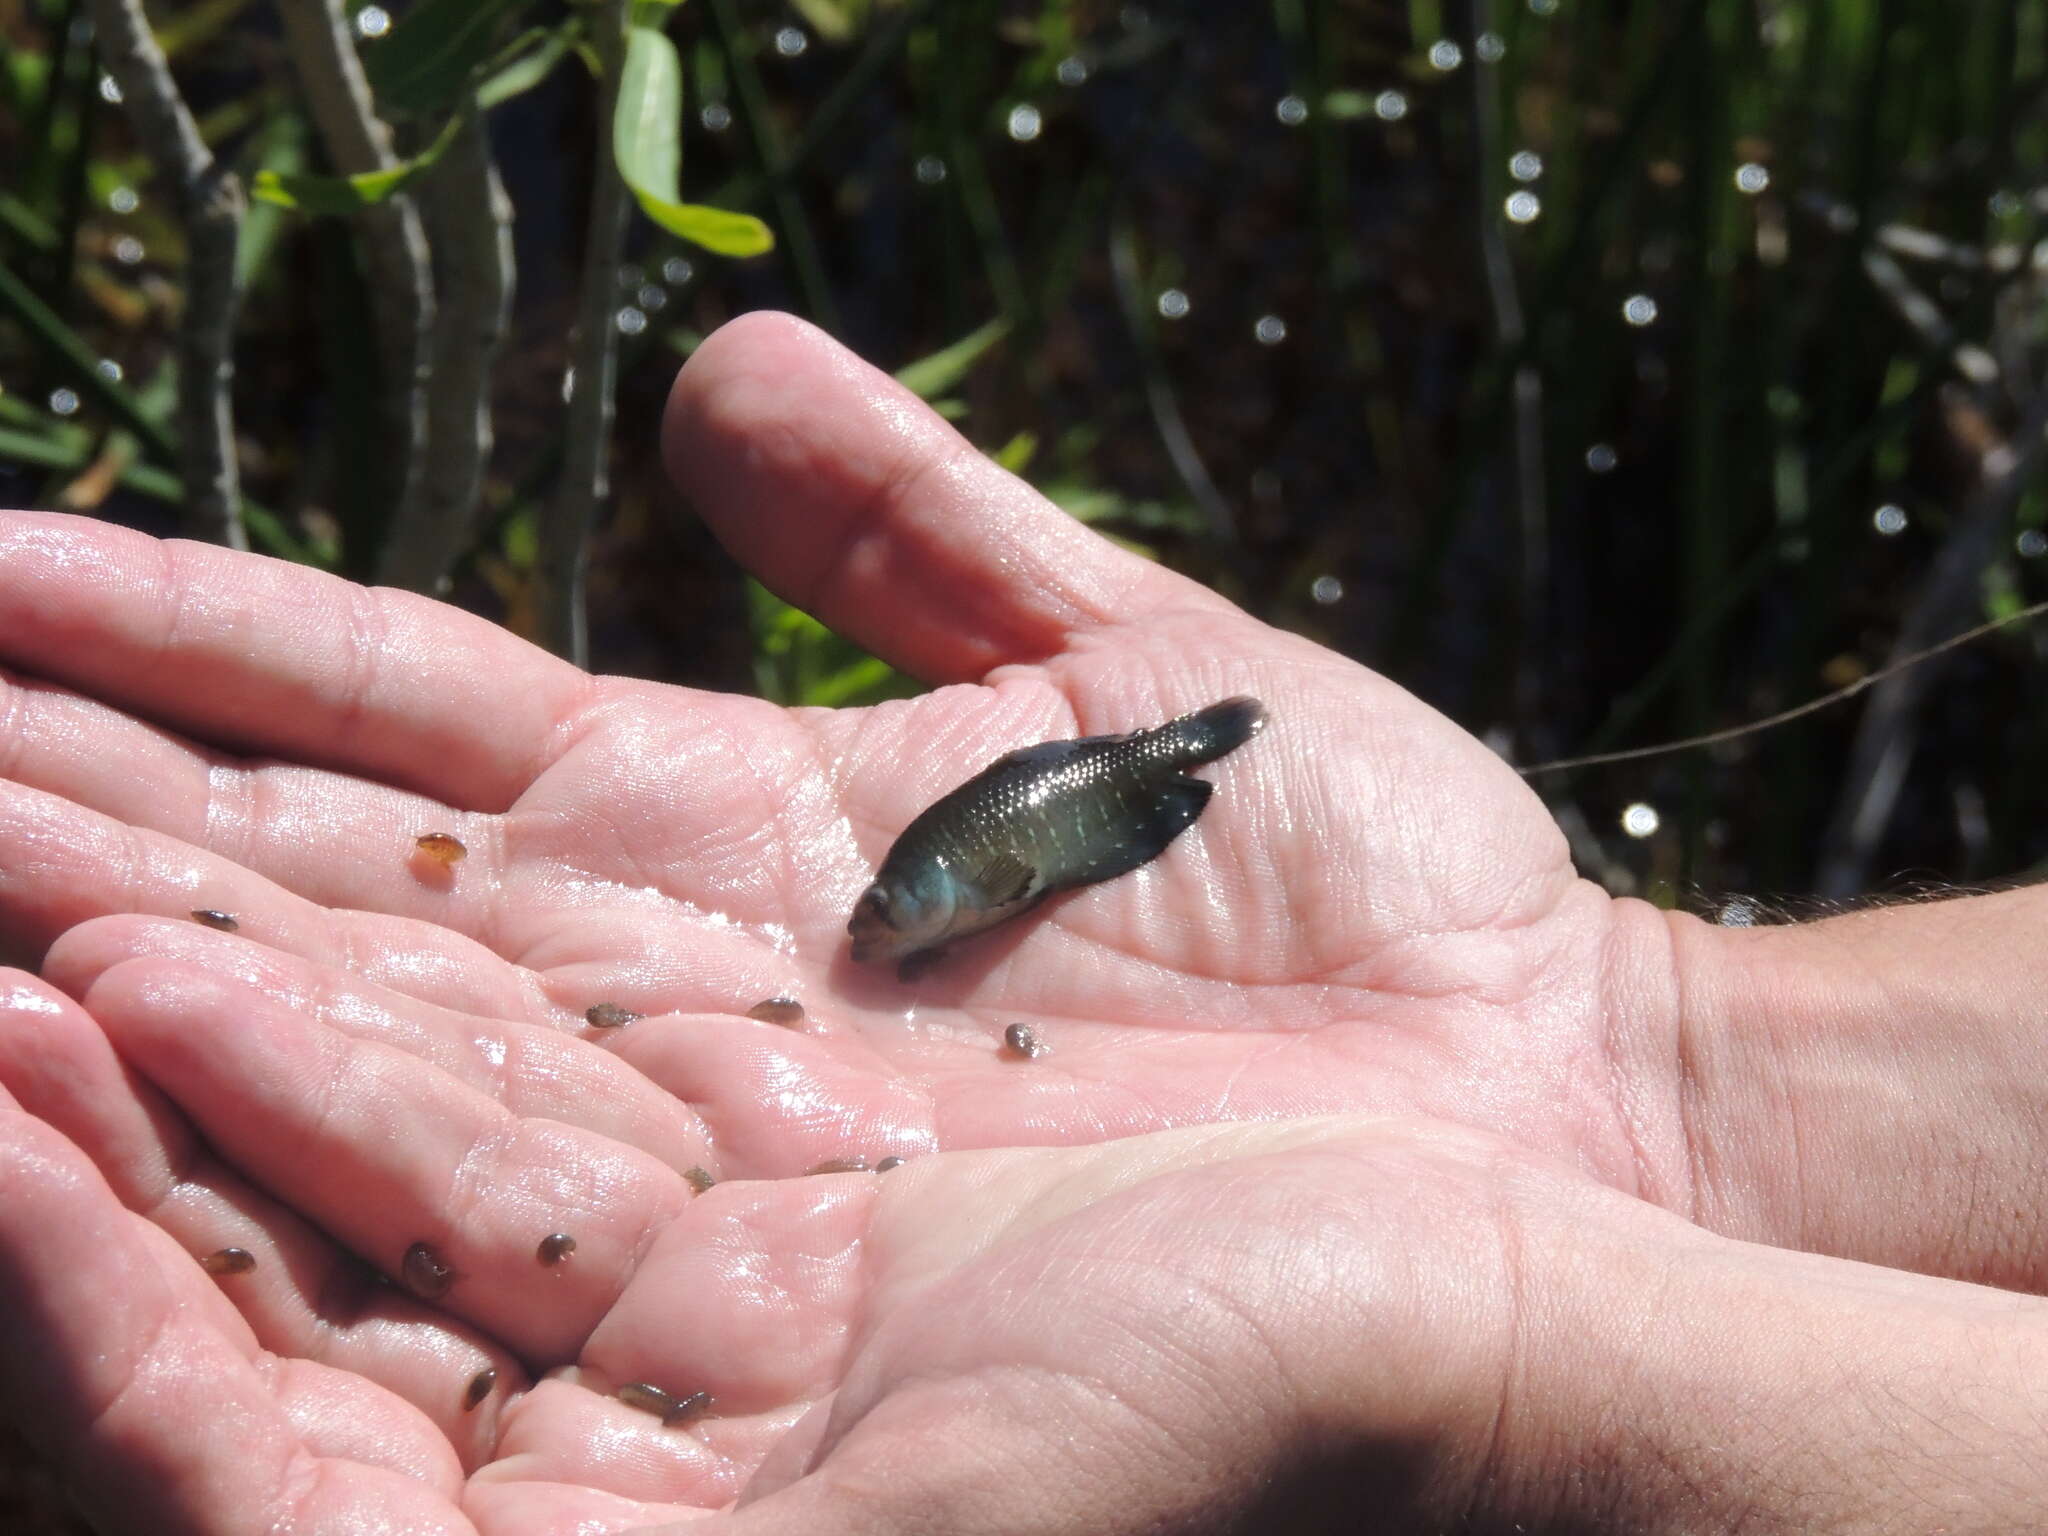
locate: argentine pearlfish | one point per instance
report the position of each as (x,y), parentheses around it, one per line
(1043,819)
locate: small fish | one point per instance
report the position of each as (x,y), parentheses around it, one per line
(1043,819)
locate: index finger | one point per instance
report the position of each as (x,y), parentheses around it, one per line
(268,657)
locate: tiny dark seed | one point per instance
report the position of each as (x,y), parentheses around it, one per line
(478,1389)
(887,1163)
(442,847)
(229,1261)
(1022,1040)
(555,1247)
(425,1274)
(648,1399)
(610,1016)
(699,1179)
(777,1010)
(841,1165)
(695,1406)
(213,917)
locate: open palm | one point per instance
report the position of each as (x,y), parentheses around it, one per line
(1374,913)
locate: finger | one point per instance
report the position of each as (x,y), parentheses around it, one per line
(294,1291)
(532,1070)
(851,498)
(271,657)
(431,1181)
(117,1367)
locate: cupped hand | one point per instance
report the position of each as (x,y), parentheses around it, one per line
(1278,1326)
(1373,914)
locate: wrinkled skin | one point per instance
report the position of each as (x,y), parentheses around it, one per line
(1374,918)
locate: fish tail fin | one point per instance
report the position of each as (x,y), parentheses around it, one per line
(1209,733)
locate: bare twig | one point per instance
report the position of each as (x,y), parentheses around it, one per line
(394,243)
(1886,735)
(471,220)
(564,553)
(211,203)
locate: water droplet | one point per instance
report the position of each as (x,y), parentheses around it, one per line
(1024,123)
(1639,309)
(631,321)
(1173,304)
(1445,54)
(930,170)
(108,369)
(1490,47)
(123,199)
(1640,820)
(1601,459)
(1522,207)
(110,89)
(1071,70)
(1291,110)
(568,385)
(64,401)
(2032,544)
(1326,590)
(1269,330)
(1751,177)
(1525,165)
(716,116)
(372,21)
(790,41)
(1391,106)
(128,250)
(676,271)
(1889,519)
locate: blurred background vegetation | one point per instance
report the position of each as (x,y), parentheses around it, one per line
(1602,372)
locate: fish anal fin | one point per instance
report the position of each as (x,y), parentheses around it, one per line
(1173,809)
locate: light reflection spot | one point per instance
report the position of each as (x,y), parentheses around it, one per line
(110,89)
(1173,304)
(1025,123)
(1071,70)
(1445,54)
(2032,544)
(676,271)
(1269,330)
(1640,820)
(930,170)
(790,41)
(64,402)
(1601,458)
(631,321)
(108,369)
(1326,590)
(1525,165)
(123,199)
(1490,47)
(1639,309)
(1889,519)
(128,250)
(1291,110)
(1751,177)
(716,116)
(1391,106)
(1522,207)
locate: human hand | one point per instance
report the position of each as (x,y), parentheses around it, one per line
(1373,914)
(1257,1327)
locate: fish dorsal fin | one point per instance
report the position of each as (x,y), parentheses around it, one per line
(1004,879)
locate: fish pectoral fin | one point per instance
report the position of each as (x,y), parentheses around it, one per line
(1174,807)
(1005,880)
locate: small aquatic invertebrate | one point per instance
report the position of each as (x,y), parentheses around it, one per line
(478,1389)
(555,1247)
(1044,819)
(442,847)
(778,1010)
(425,1273)
(1022,1040)
(229,1261)
(609,1016)
(213,917)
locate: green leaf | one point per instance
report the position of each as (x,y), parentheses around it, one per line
(648,146)
(1017,453)
(934,375)
(427,61)
(833,20)
(350,194)
(530,60)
